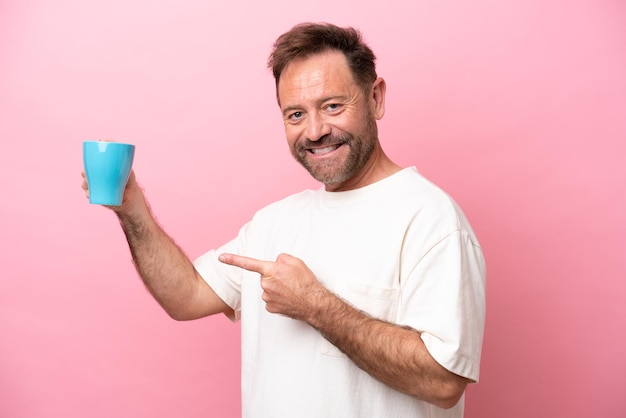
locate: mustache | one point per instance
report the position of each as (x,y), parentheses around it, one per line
(325,141)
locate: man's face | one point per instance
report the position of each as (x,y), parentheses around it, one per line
(329,122)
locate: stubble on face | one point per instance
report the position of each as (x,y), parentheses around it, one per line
(334,171)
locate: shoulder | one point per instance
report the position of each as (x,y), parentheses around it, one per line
(431,205)
(419,193)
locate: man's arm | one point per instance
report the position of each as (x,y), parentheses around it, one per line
(393,354)
(166,271)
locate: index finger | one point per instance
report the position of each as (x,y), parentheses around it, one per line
(246,263)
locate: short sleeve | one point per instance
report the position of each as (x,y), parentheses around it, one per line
(444,298)
(225,280)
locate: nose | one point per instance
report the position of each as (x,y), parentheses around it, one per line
(316,127)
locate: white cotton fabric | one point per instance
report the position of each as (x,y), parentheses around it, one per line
(399,249)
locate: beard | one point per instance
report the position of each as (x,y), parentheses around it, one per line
(334,171)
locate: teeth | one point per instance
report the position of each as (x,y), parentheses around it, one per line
(324,150)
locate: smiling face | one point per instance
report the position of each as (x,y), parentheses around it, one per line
(330,122)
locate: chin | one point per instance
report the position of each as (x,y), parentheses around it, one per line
(330,178)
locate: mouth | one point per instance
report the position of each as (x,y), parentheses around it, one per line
(323,150)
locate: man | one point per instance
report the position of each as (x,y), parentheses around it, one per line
(365,298)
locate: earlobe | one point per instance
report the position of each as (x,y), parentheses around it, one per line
(378,98)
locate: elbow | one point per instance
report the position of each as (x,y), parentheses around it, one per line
(179,318)
(448,401)
(189,313)
(450,393)
(180,314)
(177,310)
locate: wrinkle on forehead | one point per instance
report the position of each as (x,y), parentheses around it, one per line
(322,75)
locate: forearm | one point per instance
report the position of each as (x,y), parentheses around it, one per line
(166,271)
(393,354)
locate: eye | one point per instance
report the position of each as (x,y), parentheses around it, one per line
(333,107)
(295,116)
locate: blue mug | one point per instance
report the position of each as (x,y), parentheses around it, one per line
(107,166)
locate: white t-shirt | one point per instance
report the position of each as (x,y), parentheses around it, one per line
(399,249)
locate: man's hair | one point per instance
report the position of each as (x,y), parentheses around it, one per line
(307,39)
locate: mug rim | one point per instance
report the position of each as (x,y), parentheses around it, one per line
(95,141)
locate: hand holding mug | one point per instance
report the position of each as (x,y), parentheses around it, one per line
(107,171)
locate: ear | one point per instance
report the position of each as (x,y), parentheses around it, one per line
(377,98)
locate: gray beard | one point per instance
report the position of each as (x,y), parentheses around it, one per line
(359,154)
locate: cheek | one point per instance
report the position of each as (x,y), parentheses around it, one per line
(292,133)
(350,121)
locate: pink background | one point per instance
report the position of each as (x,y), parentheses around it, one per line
(517,109)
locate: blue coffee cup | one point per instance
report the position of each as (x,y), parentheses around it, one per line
(107,166)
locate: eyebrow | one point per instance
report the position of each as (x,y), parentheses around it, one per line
(292,108)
